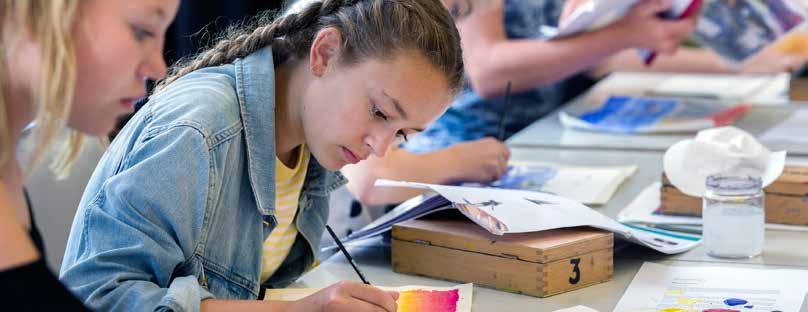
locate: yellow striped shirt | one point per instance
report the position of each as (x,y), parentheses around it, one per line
(288,184)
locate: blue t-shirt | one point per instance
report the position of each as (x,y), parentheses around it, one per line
(471,117)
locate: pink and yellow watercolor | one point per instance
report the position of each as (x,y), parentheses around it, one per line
(428,300)
(410,298)
(434,299)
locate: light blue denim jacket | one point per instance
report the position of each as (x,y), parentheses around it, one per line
(181,202)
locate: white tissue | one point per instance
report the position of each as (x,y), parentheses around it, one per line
(725,150)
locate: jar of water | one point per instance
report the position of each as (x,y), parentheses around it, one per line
(733,212)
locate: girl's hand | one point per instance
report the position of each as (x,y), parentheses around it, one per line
(348,296)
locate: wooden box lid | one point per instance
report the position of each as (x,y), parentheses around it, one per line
(539,247)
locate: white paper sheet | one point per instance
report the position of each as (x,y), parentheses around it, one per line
(757,90)
(592,15)
(657,287)
(578,308)
(465,292)
(503,211)
(589,185)
(586,184)
(793,130)
(641,210)
(768,89)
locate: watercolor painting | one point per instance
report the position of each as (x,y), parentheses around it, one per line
(718,300)
(526,177)
(675,301)
(428,300)
(662,288)
(476,213)
(434,299)
(586,184)
(411,298)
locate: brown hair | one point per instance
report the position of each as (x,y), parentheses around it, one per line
(369,28)
(50,24)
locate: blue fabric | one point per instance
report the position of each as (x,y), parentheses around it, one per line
(179,206)
(472,117)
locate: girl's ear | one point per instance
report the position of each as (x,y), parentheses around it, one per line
(325,50)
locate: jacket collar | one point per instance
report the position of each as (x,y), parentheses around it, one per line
(255,88)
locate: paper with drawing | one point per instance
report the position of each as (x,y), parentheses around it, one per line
(411,298)
(586,184)
(503,211)
(658,287)
(644,210)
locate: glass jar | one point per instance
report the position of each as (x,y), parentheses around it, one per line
(733,216)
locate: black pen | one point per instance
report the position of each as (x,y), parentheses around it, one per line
(347,255)
(503,113)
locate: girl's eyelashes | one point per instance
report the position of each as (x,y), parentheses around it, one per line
(141,33)
(378,113)
(402,135)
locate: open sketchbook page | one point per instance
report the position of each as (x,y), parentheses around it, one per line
(659,287)
(790,131)
(643,210)
(586,184)
(763,88)
(411,298)
(411,209)
(578,308)
(734,29)
(595,14)
(501,211)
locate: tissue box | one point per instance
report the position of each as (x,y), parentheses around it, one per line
(786,198)
(539,264)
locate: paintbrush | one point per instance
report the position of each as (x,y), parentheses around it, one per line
(503,113)
(347,255)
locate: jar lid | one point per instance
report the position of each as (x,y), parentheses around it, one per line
(723,184)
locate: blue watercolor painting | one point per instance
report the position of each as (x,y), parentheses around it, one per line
(523,177)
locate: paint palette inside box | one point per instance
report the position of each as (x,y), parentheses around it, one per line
(539,264)
(786,198)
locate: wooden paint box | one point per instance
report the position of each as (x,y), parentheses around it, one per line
(786,198)
(538,264)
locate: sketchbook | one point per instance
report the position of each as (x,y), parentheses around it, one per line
(739,29)
(760,88)
(502,211)
(627,114)
(586,184)
(734,29)
(595,14)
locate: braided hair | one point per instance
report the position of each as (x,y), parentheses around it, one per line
(369,28)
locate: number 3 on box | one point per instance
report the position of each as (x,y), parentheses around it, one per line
(575,270)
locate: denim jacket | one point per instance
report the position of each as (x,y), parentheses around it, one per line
(181,202)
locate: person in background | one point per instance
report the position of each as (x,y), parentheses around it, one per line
(502,44)
(65,64)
